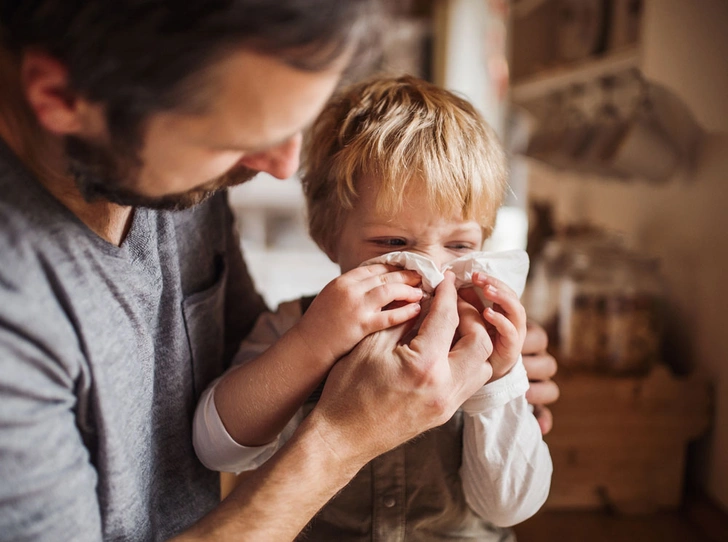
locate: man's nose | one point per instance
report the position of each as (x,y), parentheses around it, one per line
(280,161)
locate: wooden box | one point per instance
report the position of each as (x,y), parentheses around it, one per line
(621,443)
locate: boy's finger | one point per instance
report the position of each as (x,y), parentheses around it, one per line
(396,316)
(383,295)
(506,329)
(482,280)
(383,274)
(508,303)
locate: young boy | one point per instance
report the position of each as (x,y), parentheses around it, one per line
(393,164)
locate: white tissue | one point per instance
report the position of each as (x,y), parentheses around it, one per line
(509,266)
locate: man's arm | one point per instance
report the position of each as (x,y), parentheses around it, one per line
(276,501)
(379,396)
(47,482)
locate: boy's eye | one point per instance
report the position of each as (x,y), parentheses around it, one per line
(390,242)
(463,247)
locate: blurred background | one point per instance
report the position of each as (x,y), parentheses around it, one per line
(615,115)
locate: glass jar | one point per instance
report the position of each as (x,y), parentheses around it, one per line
(610,313)
(583,295)
(562,258)
(634,320)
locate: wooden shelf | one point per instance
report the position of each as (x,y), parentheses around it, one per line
(546,82)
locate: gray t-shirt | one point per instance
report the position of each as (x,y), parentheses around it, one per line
(104,351)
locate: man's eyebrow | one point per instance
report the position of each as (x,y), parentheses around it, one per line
(258,148)
(273,145)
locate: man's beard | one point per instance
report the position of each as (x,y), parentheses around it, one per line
(102,174)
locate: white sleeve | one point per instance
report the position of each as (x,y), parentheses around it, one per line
(214,446)
(217,450)
(506,468)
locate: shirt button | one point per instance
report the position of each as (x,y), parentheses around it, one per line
(389,502)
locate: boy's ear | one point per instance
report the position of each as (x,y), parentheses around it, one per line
(332,254)
(58,108)
(330,249)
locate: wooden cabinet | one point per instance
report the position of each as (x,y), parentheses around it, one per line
(621,443)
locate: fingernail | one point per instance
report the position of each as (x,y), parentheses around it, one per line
(492,289)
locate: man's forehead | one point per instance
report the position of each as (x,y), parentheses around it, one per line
(273,100)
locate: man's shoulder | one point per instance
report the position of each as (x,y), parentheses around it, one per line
(33,322)
(21,237)
(29,217)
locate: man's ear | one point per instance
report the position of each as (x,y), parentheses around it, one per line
(47,88)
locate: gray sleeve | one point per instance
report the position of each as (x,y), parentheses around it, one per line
(47,484)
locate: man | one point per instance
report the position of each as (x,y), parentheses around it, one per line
(122,288)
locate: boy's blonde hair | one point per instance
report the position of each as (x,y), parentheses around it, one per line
(402,133)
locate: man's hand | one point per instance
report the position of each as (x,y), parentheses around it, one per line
(541,367)
(386,392)
(350,307)
(379,396)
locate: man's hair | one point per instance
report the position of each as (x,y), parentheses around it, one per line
(403,133)
(138,57)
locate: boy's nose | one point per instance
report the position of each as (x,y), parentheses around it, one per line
(280,161)
(435,256)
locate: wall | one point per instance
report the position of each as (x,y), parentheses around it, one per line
(685,223)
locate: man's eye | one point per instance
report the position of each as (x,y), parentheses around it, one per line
(390,242)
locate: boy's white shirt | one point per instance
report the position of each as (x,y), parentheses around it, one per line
(506,466)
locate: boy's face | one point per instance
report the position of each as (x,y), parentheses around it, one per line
(417,227)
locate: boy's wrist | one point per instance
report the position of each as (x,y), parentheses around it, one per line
(316,341)
(503,370)
(496,393)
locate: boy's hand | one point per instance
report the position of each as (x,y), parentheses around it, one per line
(350,307)
(507,323)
